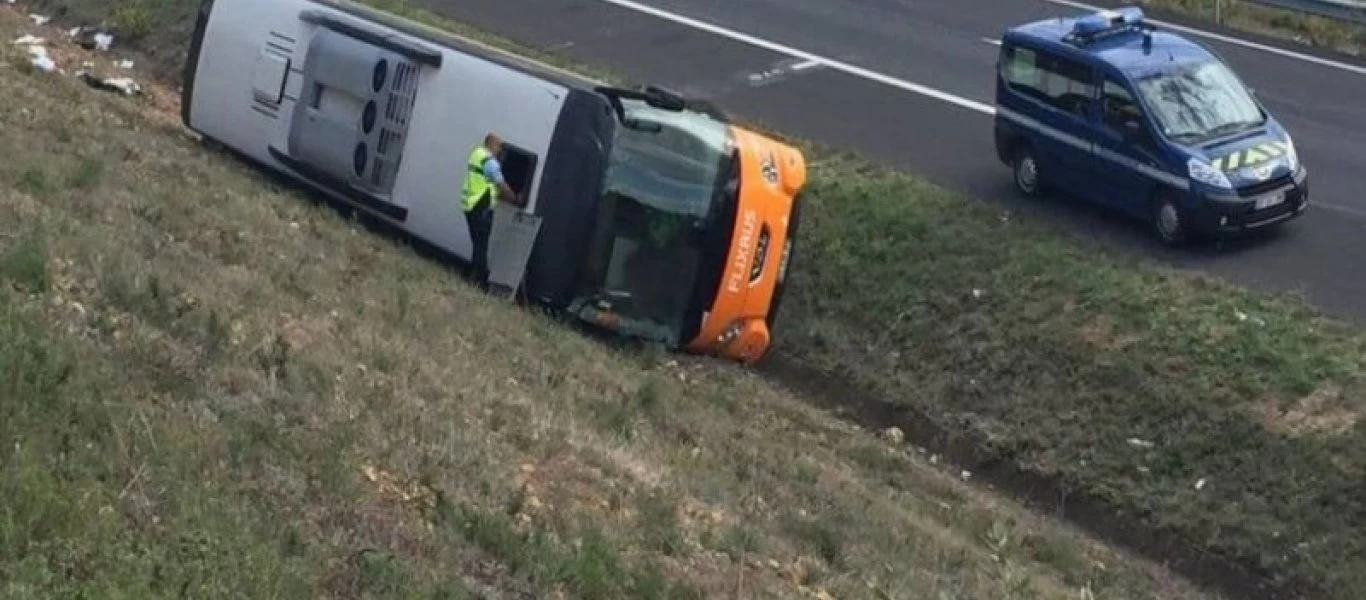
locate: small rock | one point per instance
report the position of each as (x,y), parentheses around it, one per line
(893,435)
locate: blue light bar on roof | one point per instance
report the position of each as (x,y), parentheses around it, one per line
(1108,21)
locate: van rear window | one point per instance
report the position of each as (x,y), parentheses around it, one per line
(1059,82)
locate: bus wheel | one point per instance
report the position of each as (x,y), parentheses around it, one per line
(1169,220)
(1026,168)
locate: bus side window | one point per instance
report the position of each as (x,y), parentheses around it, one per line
(519,167)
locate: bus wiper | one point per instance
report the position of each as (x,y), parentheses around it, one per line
(653,96)
(638,125)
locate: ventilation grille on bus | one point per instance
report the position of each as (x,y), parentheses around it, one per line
(398,107)
(271,73)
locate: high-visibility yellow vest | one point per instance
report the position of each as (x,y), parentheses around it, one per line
(476,184)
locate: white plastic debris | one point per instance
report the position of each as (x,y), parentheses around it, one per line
(976,293)
(29,40)
(40,19)
(125,64)
(123,85)
(91,39)
(1140,443)
(1200,484)
(40,60)
(44,63)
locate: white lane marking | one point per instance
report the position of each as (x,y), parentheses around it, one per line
(806,64)
(991,41)
(1355,212)
(771,46)
(1231,40)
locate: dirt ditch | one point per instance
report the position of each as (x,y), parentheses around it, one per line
(846,399)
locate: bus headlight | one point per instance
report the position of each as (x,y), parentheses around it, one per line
(731,332)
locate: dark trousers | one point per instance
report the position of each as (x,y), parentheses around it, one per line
(480,220)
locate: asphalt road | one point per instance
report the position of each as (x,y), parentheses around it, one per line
(910,82)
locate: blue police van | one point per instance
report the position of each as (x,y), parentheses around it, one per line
(1107,108)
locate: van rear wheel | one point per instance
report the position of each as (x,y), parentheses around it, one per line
(1026,168)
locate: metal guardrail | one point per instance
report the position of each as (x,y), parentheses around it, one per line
(1351,11)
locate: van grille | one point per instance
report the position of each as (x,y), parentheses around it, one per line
(1257,189)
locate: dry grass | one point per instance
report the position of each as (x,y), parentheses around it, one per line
(1065,356)
(1311,30)
(213,386)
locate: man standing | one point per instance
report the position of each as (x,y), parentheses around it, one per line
(484,187)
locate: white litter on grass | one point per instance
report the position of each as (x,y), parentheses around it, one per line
(124,85)
(29,40)
(1200,484)
(103,41)
(40,60)
(39,19)
(125,64)
(1140,443)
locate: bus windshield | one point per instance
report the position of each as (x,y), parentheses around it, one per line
(1199,101)
(666,172)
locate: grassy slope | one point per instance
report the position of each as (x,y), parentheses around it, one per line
(213,387)
(1062,357)
(1275,22)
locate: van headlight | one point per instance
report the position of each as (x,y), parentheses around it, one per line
(1205,173)
(1292,158)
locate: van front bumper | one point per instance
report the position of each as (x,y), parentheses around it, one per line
(1235,212)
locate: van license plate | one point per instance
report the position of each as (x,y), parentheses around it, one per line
(1270,200)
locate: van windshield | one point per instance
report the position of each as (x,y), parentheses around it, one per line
(1199,101)
(666,172)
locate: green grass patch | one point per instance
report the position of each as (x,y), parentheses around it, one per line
(1282,23)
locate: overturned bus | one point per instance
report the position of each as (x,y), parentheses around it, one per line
(643,215)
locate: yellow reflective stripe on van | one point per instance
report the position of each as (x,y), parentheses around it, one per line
(1248,157)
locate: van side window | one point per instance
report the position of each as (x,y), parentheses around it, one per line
(1059,82)
(1118,106)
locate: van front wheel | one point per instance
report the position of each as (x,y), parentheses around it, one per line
(1026,168)
(1169,221)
